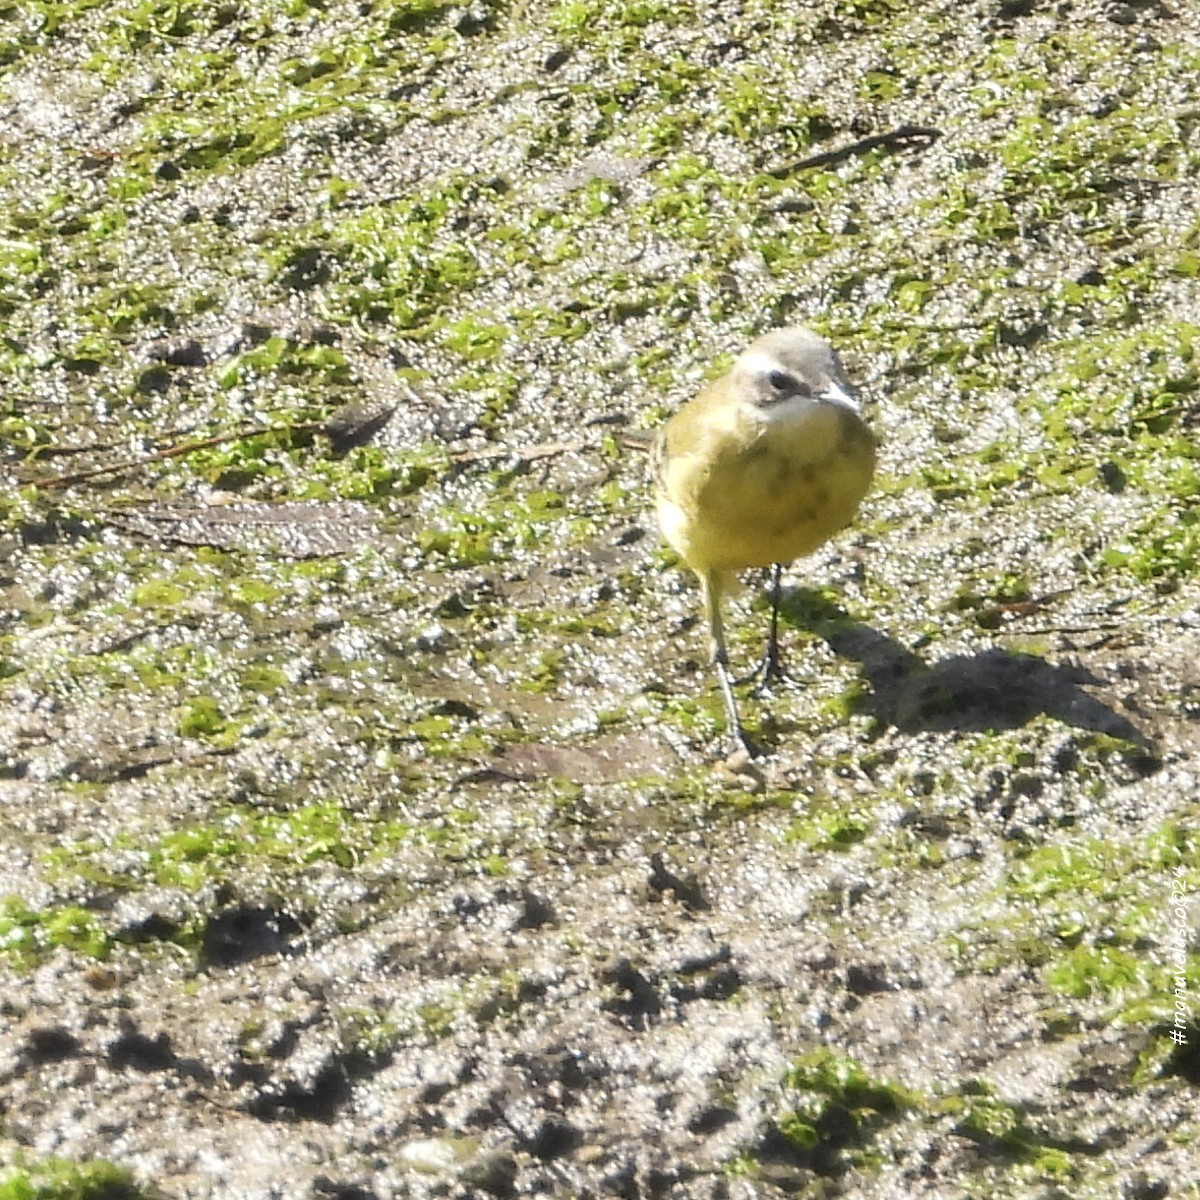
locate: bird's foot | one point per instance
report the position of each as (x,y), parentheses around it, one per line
(769,669)
(741,767)
(746,748)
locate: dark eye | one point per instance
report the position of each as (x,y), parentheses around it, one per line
(781,381)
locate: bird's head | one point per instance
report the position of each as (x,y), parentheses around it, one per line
(790,371)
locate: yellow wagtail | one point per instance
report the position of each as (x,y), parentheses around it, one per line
(762,467)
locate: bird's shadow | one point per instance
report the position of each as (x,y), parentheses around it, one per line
(994,690)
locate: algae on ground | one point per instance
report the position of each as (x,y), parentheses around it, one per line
(411,824)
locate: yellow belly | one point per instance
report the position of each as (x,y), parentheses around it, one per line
(769,498)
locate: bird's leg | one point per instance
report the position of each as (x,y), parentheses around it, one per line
(772,660)
(710,586)
(770,666)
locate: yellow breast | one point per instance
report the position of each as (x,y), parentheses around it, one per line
(736,493)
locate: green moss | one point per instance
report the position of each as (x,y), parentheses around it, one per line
(370,1035)
(827,826)
(1098,971)
(159,593)
(62,1179)
(26,934)
(204,718)
(1089,912)
(835,1112)
(201,854)
(844,1081)
(437,1018)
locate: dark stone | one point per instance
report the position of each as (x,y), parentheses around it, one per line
(243,933)
(134,1049)
(51,1043)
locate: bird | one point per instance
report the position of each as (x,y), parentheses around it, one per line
(762,467)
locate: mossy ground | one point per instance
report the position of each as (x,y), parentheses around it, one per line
(359,793)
